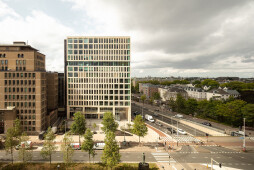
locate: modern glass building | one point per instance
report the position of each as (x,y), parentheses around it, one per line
(97,74)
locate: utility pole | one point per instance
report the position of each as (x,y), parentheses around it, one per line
(244,147)
(177,127)
(172,126)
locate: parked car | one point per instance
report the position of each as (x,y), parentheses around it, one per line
(238,133)
(182,132)
(207,123)
(99,146)
(26,145)
(75,146)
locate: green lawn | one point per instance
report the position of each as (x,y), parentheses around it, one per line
(74,166)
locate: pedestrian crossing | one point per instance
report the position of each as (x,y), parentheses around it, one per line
(185,139)
(161,157)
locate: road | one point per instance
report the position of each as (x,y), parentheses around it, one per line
(203,155)
(80,156)
(188,129)
(186,156)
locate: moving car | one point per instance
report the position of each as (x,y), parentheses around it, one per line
(179,116)
(149,118)
(207,123)
(182,132)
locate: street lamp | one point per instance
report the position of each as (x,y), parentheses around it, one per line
(244,147)
(58,167)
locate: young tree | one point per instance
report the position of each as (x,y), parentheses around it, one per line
(48,146)
(88,143)
(94,126)
(17,129)
(79,124)
(139,127)
(10,142)
(24,154)
(111,155)
(109,123)
(12,137)
(66,149)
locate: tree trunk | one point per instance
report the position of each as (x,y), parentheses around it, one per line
(139,140)
(79,139)
(50,159)
(89,157)
(12,155)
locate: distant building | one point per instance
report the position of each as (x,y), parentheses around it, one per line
(148,89)
(171,93)
(196,93)
(217,94)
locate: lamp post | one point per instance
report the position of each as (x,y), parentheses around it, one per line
(244,147)
(58,167)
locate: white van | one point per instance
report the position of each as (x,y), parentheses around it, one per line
(179,116)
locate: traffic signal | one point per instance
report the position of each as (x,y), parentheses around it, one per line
(220,165)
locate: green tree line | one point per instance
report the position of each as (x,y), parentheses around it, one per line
(230,112)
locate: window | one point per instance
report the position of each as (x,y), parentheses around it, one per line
(85,40)
(70,41)
(90,40)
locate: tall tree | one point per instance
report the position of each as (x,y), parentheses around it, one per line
(88,143)
(79,124)
(10,142)
(191,106)
(139,127)
(48,146)
(25,154)
(248,113)
(156,96)
(111,155)
(143,98)
(67,149)
(109,123)
(172,104)
(180,103)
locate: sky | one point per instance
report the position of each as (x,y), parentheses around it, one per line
(186,38)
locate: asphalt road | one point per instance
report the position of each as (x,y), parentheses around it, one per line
(190,130)
(80,156)
(228,157)
(188,154)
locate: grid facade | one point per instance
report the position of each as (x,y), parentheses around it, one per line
(97,71)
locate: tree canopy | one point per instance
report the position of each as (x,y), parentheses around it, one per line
(79,124)
(108,122)
(139,127)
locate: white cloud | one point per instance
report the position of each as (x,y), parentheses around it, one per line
(41,31)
